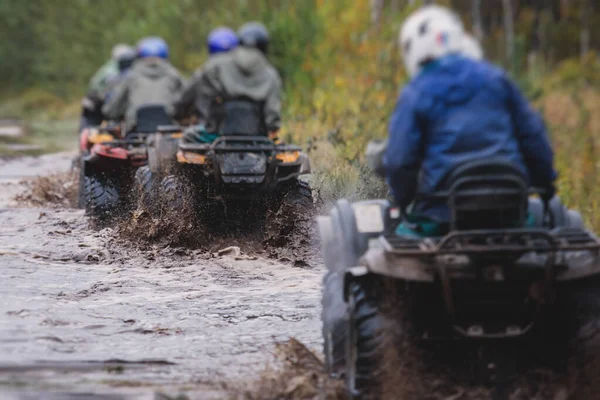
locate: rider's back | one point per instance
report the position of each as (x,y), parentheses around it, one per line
(459,110)
(149,82)
(245,74)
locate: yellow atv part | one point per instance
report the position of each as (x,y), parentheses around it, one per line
(288,156)
(187,157)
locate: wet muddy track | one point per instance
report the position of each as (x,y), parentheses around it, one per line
(83,312)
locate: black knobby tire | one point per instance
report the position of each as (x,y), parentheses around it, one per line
(334,319)
(372,338)
(173,194)
(81,193)
(300,195)
(144,188)
(102,198)
(334,313)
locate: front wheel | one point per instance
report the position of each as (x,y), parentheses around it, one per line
(334,318)
(374,335)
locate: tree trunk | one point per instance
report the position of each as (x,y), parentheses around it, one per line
(536,36)
(477,24)
(376,12)
(509,32)
(584,34)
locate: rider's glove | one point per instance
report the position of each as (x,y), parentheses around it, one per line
(548,193)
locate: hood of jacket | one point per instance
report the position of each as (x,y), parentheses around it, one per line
(249,61)
(154,68)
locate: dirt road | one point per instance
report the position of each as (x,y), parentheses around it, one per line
(83,312)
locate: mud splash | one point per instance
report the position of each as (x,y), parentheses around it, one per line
(296,373)
(288,233)
(55,190)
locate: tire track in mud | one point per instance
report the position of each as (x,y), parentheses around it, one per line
(74,297)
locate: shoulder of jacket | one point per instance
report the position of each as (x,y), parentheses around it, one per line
(216,61)
(273,73)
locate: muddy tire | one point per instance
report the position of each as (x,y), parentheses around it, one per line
(144,188)
(81,194)
(173,194)
(102,198)
(293,211)
(370,340)
(334,318)
(333,306)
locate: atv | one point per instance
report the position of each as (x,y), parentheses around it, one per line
(500,274)
(109,168)
(243,179)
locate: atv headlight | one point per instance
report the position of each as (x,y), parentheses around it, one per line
(190,158)
(288,156)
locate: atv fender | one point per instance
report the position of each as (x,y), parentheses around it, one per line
(102,150)
(380,262)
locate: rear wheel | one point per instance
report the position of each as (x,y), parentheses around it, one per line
(293,213)
(81,195)
(102,198)
(144,188)
(174,195)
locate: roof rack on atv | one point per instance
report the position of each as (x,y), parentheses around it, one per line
(515,241)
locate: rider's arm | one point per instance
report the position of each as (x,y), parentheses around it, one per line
(532,137)
(188,95)
(272,107)
(116,106)
(403,157)
(207,89)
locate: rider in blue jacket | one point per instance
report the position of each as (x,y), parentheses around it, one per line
(456,110)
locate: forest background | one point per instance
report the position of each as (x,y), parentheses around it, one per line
(340,65)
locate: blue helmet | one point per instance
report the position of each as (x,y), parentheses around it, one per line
(153,46)
(221,40)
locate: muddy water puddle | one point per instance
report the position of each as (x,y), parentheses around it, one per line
(83,312)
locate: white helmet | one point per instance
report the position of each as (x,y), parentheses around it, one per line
(428,34)
(119,50)
(471,47)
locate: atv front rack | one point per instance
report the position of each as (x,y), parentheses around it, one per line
(250,144)
(493,242)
